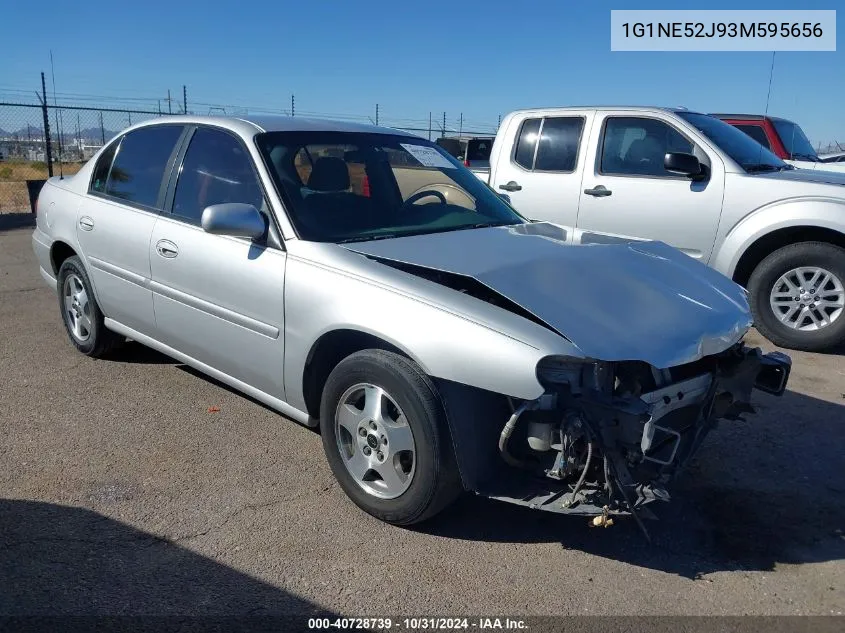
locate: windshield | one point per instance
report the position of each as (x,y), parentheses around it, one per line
(743,149)
(351,186)
(794,140)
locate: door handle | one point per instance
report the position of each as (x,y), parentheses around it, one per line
(511,186)
(599,192)
(167,249)
(86,223)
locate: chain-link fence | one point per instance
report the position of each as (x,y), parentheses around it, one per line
(28,156)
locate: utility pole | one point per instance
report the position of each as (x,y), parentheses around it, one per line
(169,105)
(292,105)
(376,114)
(499,123)
(48,151)
(184,99)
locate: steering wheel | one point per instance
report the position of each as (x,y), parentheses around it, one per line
(423,194)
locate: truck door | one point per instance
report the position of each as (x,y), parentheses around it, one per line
(628,193)
(541,165)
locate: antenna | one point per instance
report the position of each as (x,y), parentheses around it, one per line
(58,115)
(768,95)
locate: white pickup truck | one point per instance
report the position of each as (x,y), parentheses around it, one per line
(608,174)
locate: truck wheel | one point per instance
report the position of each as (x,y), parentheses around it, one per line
(386,438)
(797,296)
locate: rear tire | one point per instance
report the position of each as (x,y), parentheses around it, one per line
(775,289)
(80,313)
(405,400)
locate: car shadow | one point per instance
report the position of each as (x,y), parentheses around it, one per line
(759,493)
(57,560)
(133,352)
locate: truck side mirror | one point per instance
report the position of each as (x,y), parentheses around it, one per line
(682,164)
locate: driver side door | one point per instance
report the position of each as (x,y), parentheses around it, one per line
(219,299)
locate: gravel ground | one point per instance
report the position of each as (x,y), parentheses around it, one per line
(120,493)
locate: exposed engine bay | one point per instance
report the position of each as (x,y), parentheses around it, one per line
(612,435)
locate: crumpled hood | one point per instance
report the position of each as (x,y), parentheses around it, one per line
(633,301)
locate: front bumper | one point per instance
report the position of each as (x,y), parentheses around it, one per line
(637,444)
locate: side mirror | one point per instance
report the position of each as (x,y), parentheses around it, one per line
(682,164)
(235,219)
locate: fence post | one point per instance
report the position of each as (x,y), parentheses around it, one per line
(429,126)
(184,99)
(102,129)
(376,114)
(48,151)
(292,106)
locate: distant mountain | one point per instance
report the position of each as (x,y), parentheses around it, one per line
(94,135)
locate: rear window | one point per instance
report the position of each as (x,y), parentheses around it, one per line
(559,141)
(479,148)
(451,145)
(757,133)
(140,163)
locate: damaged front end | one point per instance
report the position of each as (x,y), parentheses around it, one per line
(606,438)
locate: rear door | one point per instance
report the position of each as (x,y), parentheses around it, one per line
(116,218)
(219,299)
(628,193)
(541,172)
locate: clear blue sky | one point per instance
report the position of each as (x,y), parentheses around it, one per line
(479,58)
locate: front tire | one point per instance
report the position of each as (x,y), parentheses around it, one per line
(386,439)
(797,296)
(80,313)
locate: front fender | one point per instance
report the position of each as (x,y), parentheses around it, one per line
(819,212)
(445,344)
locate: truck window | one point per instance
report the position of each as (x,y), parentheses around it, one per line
(559,140)
(526,143)
(757,133)
(636,146)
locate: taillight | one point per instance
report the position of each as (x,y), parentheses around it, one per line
(466,163)
(365,187)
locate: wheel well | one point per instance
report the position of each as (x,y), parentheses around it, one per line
(769,243)
(59,253)
(326,353)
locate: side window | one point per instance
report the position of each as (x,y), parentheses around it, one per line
(526,142)
(559,141)
(140,163)
(636,146)
(216,169)
(757,133)
(101,169)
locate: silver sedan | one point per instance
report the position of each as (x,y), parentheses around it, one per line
(363,280)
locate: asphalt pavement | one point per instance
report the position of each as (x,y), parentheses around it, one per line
(123,491)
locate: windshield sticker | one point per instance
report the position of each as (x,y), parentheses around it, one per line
(428,156)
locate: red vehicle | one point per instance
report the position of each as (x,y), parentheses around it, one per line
(783,137)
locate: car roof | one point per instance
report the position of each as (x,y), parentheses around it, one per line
(249,125)
(639,108)
(749,117)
